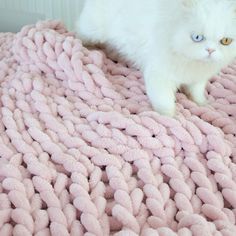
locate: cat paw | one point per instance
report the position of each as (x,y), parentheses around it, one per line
(166,111)
(196,93)
(162,96)
(201,101)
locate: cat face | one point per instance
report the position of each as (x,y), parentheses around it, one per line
(206,31)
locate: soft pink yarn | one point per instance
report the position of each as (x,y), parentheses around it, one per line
(82,152)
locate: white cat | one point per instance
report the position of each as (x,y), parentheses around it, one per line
(174,42)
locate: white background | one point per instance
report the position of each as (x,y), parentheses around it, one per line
(16,13)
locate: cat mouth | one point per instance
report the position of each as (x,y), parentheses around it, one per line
(210,59)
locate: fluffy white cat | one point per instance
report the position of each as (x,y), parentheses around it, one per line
(174,43)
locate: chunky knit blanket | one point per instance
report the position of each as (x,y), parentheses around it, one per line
(83,153)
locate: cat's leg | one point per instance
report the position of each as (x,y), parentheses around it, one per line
(161,93)
(197,92)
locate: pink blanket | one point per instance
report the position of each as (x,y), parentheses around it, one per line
(83,153)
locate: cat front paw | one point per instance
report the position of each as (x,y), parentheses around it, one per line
(196,93)
(170,113)
(201,100)
(161,94)
(166,109)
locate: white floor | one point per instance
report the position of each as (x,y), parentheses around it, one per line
(16,13)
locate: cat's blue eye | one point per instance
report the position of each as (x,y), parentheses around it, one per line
(197,38)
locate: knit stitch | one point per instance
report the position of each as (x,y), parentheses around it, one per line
(83,153)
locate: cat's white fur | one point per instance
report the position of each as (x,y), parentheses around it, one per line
(156,36)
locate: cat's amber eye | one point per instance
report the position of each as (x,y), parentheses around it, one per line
(226,41)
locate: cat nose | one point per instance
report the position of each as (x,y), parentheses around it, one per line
(210,50)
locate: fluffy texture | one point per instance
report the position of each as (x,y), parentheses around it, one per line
(163,39)
(83,153)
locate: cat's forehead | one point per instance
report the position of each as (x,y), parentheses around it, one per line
(214,18)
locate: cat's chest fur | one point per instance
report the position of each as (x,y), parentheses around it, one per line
(190,72)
